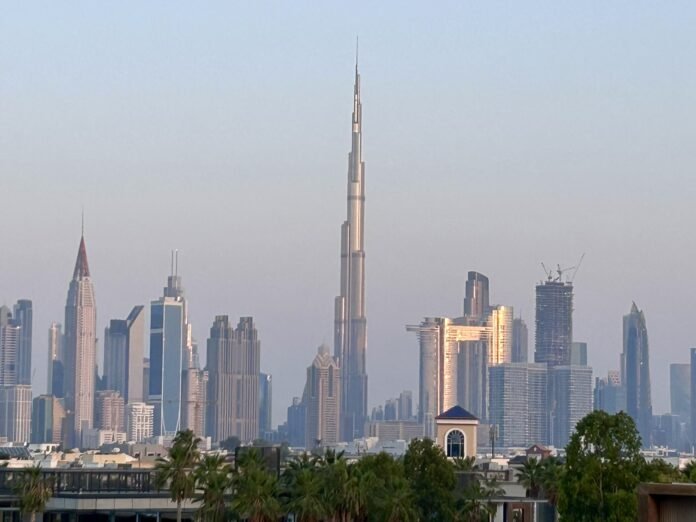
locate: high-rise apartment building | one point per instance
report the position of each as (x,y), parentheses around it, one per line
(15,413)
(23,315)
(124,341)
(554,322)
(350,324)
(10,336)
(520,341)
(476,297)
(500,322)
(322,398)
(139,420)
(636,372)
(194,393)
(110,411)
(406,405)
(265,404)
(571,398)
(80,341)
(296,422)
(680,390)
(233,362)
(609,393)
(55,360)
(47,417)
(169,344)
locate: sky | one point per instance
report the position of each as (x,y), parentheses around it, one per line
(497,136)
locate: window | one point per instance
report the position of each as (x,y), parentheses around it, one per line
(454,444)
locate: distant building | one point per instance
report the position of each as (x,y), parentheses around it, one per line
(609,393)
(110,411)
(476,296)
(406,405)
(322,399)
(23,315)
(391,408)
(571,394)
(636,372)
(680,390)
(233,364)
(47,416)
(140,419)
(123,355)
(265,404)
(56,357)
(395,430)
(94,438)
(15,413)
(554,322)
(10,336)
(578,354)
(296,423)
(520,341)
(80,340)
(693,394)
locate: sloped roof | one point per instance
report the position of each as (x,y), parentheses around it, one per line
(456,413)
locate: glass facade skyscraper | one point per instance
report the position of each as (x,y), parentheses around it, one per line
(636,372)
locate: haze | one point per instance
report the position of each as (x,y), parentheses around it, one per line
(496,136)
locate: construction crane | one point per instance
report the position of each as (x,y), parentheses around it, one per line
(555,275)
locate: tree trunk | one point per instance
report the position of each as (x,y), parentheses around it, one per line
(178,511)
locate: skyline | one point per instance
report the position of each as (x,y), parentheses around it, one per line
(546,206)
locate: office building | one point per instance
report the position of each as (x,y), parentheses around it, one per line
(554,322)
(350,323)
(15,413)
(520,341)
(322,398)
(139,420)
(170,345)
(233,362)
(609,393)
(23,315)
(194,393)
(80,339)
(636,372)
(680,390)
(55,360)
(476,297)
(406,405)
(296,423)
(47,416)
(571,397)
(110,411)
(265,404)
(500,322)
(124,341)
(10,335)
(578,354)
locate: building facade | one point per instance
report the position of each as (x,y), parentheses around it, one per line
(680,390)
(520,341)
(265,404)
(322,399)
(55,360)
(23,315)
(47,417)
(123,355)
(554,322)
(140,421)
(609,393)
(571,394)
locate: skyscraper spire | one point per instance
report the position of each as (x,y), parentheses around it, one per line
(350,325)
(81,266)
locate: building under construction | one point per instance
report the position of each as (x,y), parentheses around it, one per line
(554,322)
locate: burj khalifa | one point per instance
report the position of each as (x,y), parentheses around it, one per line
(350,325)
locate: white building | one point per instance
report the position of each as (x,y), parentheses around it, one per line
(140,420)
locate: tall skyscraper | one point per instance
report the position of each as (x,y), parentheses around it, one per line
(406,405)
(554,322)
(10,338)
(265,404)
(636,372)
(296,422)
(350,325)
(169,347)
(322,397)
(500,322)
(123,355)
(80,341)
(23,315)
(233,364)
(520,341)
(47,415)
(476,296)
(680,390)
(55,360)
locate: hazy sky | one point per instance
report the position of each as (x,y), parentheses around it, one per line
(497,135)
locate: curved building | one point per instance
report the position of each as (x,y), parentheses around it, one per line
(636,372)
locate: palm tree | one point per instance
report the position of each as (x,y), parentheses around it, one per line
(398,503)
(333,472)
(530,476)
(176,470)
(464,463)
(212,477)
(255,490)
(476,504)
(305,497)
(34,492)
(359,488)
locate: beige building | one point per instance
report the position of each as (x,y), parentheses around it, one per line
(110,411)
(322,399)
(456,432)
(140,420)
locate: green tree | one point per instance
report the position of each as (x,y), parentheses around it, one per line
(603,468)
(432,480)
(34,492)
(464,463)
(230,444)
(305,497)
(398,504)
(475,504)
(213,480)
(530,476)
(176,470)
(689,471)
(551,477)
(333,470)
(657,470)
(255,490)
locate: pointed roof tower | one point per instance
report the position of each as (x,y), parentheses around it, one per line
(81,265)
